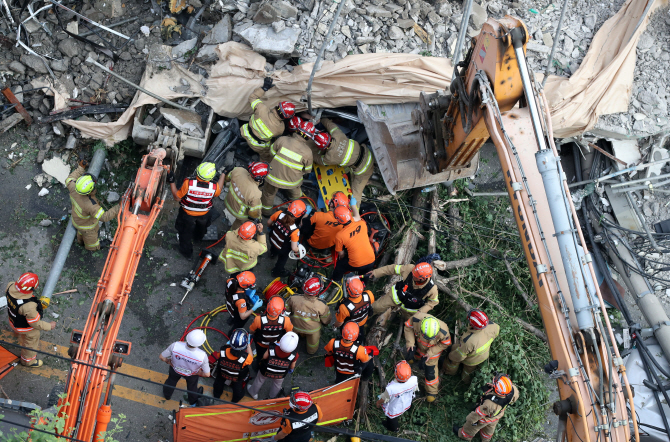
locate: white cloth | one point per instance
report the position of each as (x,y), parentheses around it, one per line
(185,360)
(400,396)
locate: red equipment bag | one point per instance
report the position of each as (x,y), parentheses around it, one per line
(330,361)
(372,350)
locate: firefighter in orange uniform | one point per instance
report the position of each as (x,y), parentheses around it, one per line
(308,313)
(238,303)
(302,409)
(195,198)
(25,316)
(357,306)
(233,365)
(352,244)
(350,358)
(320,229)
(270,326)
(243,200)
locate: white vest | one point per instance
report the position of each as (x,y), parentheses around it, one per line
(401,394)
(186,361)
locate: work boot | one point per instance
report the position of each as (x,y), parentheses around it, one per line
(255,396)
(456,429)
(35,364)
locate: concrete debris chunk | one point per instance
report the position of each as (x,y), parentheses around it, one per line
(274,10)
(109,8)
(220,33)
(263,39)
(43,192)
(35,63)
(57,169)
(112,197)
(184,121)
(45,223)
(537,47)
(479,15)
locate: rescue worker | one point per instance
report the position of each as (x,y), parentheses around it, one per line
(397,396)
(350,358)
(291,160)
(352,244)
(186,361)
(86,210)
(284,227)
(233,364)
(471,349)
(277,362)
(490,409)
(356,307)
(415,292)
(195,198)
(320,229)
(238,302)
(308,313)
(426,337)
(303,410)
(266,122)
(243,200)
(270,326)
(243,247)
(339,150)
(25,316)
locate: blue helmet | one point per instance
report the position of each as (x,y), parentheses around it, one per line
(239,339)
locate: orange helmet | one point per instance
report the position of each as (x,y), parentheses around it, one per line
(247,230)
(275,307)
(246,280)
(339,199)
(27,283)
(342,215)
(422,272)
(502,385)
(355,286)
(312,286)
(350,331)
(402,371)
(297,208)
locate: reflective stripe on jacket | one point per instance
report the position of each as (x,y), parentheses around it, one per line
(199,196)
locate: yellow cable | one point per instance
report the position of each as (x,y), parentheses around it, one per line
(205,322)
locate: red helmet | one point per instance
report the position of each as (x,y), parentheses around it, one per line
(355,286)
(339,199)
(27,283)
(342,215)
(478,319)
(307,130)
(246,280)
(402,371)
(286,109)
(422,272)
(502,385)
(294,123)
(275,306)
(247,230)
(258,170)
(350,331)
(297,208)
(322,140)
(312,286)
(300,401)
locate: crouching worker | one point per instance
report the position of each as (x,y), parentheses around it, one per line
(308,313)
(300,418)
(243,247)
(238,302)
(398,395)
(233,365)
(278,362)
(350,358)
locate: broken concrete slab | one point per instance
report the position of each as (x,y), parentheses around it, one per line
(273,11)
(263,39)
(57,169)
(657,153)
(182,48)
(479,15)
(220,33)
(113,197)
(627,151)
(35,63)
(185,121)
(109,8)
(207,54)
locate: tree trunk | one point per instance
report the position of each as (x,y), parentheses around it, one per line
(432,237)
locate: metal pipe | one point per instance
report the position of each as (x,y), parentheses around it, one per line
(318,57)
(651,187)
(70,233)
(641,180)
(83,17)
(140,88)
(636,209)
(113,25)
(553,47)
(461,36)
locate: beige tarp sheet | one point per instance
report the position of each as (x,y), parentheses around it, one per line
(601,85)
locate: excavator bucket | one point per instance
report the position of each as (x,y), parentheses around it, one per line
(396,144)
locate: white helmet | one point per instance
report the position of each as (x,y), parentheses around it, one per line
(289,342)
(302,251)
(195,338)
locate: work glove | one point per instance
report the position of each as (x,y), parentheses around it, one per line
(267,83)
(353,201)
(170,177)
(83,163)
(228,169)
(290,370)
(257,305)
(368,277)
(45,302)
(308,210)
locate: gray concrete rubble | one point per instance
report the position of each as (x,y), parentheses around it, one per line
(263,39)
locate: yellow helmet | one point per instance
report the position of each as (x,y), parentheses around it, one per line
(206,171)
(85,184)
(430,327)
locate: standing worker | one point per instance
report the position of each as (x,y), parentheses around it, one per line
(186,360)
(195,198)
(266,122)
(278,362)
(308,313)
(86,210)
(243,247)
(25,316)
(427,337)
(270,327)
(284,229)
(398,395)
(320,229)
(233,365)
(490,409)
(292,159)
(357,306)
(415,293)
(339,150)
(303,410)
(350,358)
(243,200)
(238,303)
(472,348)
(352,244)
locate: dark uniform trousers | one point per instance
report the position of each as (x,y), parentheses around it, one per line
(343,267)
(237,386)
(366,372)
(191,385)
(190,229)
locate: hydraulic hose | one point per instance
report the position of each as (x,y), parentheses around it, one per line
(652,374)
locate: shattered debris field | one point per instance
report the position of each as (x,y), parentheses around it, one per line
(141,93)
